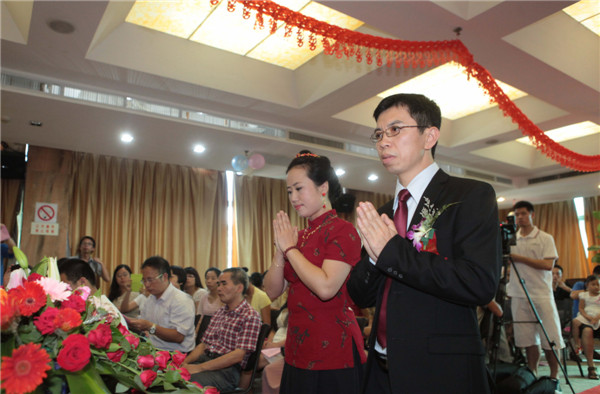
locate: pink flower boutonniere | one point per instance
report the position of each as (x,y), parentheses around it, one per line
(423,234)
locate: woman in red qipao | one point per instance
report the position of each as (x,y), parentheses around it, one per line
(324,346)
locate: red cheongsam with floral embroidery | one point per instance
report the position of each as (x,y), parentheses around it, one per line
(320,333)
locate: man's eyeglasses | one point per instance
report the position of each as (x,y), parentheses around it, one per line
(390,132)
(150,280)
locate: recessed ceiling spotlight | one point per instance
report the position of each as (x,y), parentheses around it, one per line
(62,27)
(35,123)
(126,138)
(340,172)
(501,199)
(199,148)
(373,177)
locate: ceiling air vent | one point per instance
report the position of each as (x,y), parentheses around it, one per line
(315,140)
(555,177)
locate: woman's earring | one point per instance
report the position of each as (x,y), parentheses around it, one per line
(324,202)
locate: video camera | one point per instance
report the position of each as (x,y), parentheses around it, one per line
(508,231)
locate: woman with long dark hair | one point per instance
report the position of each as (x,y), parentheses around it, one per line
(119,287)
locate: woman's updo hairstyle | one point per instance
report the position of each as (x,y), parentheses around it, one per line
(318,169)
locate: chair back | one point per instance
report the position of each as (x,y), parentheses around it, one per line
(252,364)
(203,326)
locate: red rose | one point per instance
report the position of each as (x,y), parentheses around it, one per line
(75,302)
(67,319)
(211,390)
(185,374)
(101,336)
(148,377)
(146,361)
(45,321)
(75,353)
(122,329)
(115,357)
(133,340)
(162,358)
(178,358)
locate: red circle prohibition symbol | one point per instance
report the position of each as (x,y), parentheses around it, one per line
(46,212)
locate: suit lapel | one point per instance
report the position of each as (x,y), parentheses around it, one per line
(432,192)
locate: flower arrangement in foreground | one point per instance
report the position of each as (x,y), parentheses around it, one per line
(53,337)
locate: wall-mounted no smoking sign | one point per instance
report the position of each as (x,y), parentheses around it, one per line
(45,212)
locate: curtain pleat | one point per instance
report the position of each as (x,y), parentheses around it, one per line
(591,204)
(136,209)
(11,201)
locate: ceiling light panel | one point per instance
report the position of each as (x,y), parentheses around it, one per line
(215,26)
(586,12)
(285,52)
(178,18)
(567,133)
(443,84)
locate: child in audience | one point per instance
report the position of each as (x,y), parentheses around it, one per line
(588,321)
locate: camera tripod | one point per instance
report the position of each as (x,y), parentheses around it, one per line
(499,321)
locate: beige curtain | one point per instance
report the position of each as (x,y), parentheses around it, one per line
(560,220)
(11,201)
(591,204)
(257,201)
(377,199)
(136,209)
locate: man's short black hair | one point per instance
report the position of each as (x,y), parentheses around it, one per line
(238,276)
(559,267)
(83,239)
(596,270)
(523,204)
(158,263)
(421,108)
(75,269)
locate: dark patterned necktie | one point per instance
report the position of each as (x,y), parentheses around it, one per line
(400,219)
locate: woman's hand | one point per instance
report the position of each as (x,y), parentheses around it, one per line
(286,235)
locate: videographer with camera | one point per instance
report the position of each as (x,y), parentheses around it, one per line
(533,256)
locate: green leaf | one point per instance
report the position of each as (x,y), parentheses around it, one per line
(42,267)
(594,247)
(8,345)
(86,381)
(169,387)
(596,215)
(121,388)
(596,259)
(113,347)
(171,376)
(54,384)
(21,258)
(29,333)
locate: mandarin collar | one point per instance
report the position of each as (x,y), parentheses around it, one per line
(319,220)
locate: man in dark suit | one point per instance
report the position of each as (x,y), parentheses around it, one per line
(427,340)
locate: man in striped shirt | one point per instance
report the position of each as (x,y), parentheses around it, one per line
(230,337)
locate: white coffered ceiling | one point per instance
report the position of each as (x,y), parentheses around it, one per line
(531,45)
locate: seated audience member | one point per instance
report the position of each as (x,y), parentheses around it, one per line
(120,287)
(260,301)
(209,302)
(579,287)
(167,315)
(559,288)
(230,337)
(7,253)
(256,279)
(85,252)
(78,273)
(588,321)
(178,277)
(193,286)
(273,365)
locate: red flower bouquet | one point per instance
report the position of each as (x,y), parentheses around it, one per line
(53,337)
